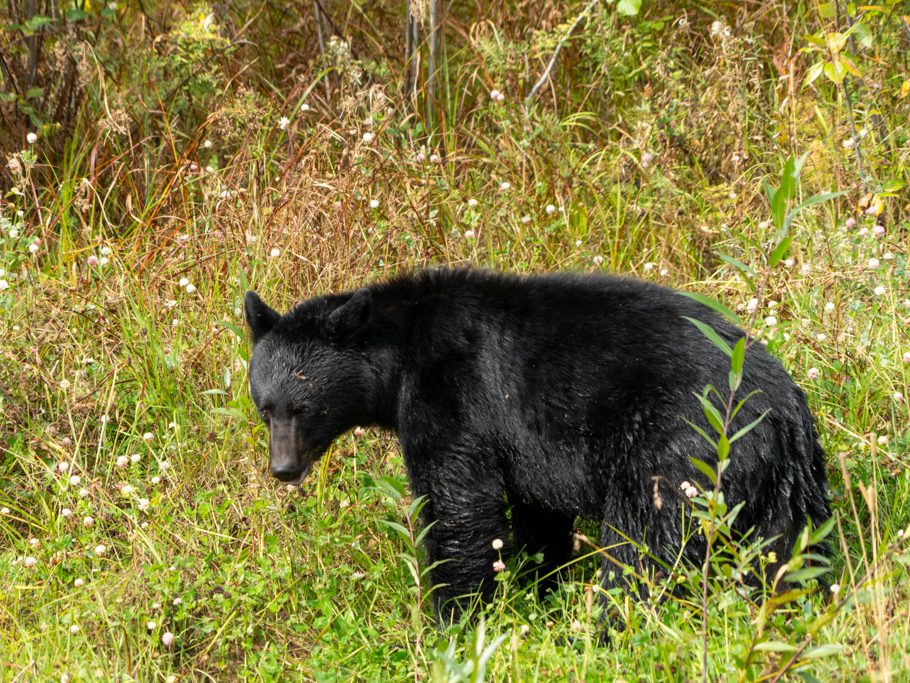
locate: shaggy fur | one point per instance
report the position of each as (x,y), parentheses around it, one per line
(522,403)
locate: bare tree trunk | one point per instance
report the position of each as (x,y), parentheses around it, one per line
(431,63)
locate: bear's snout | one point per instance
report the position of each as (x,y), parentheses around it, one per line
(289,459)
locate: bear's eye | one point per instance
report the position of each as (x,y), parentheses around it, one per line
(265,414)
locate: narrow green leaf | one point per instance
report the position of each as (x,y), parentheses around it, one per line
(712,413)
(749,427)
(738,357)
(811,201)
(736,263)
(723,448)
(715,306)
(825,650)
(774,646)
(711,334)
(779,251)
(702,433)
(807,573)
(822,532)
(705,469)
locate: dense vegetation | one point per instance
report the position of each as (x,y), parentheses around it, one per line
(162,158)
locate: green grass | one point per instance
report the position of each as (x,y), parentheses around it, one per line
(258,582)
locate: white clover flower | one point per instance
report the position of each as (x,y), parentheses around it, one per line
(144,504)
(33,248)
(64,384)
(275,252)
(874,263)
(135,457)
(646,159)
(368,137)
(184,282)
(551,209)
(469,234)
(789,262)
(32,138)
(167,638)
(148,436)
(499,566)
(63,466)
(435,159)
(88,522)
(83,493)
(100,550)
(164,465)
(374,203)
(878,230)
(304,107)
(812,373)
(177,601)
(29,562)
(648,267)
(190,288)
(66,513)
(284,122)
(806,269)
(4,285)
(150,625)
(664,272)
(829,307)
(906,357)
(472,202)
(882,440)
(126,490)
(770,321)
(122,461)
(156,480)
(898,396)
(103,261)
(835,588)
(75,480)
(494,95)
(879,291)
(74,629)
(79,583)
(578,243)
(505,186)
(4,510)
(848,143)
(598,260)
(526,219)
(497,544)
(105,251)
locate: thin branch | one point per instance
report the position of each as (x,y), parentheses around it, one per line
(546,74)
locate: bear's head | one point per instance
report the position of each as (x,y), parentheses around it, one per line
(308,375)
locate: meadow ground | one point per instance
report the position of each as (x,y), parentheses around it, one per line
(160,161)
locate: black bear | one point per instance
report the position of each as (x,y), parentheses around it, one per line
(521,403)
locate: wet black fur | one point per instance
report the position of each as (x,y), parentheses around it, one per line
(557,396)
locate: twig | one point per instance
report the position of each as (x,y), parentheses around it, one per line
(546,74)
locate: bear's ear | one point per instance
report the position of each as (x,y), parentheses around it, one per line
(349,318)
(258,315)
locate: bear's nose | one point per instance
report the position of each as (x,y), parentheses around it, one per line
(285,473)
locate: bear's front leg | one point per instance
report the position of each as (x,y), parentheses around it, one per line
(467,513)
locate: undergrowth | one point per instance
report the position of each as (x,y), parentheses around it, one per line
(159,161)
